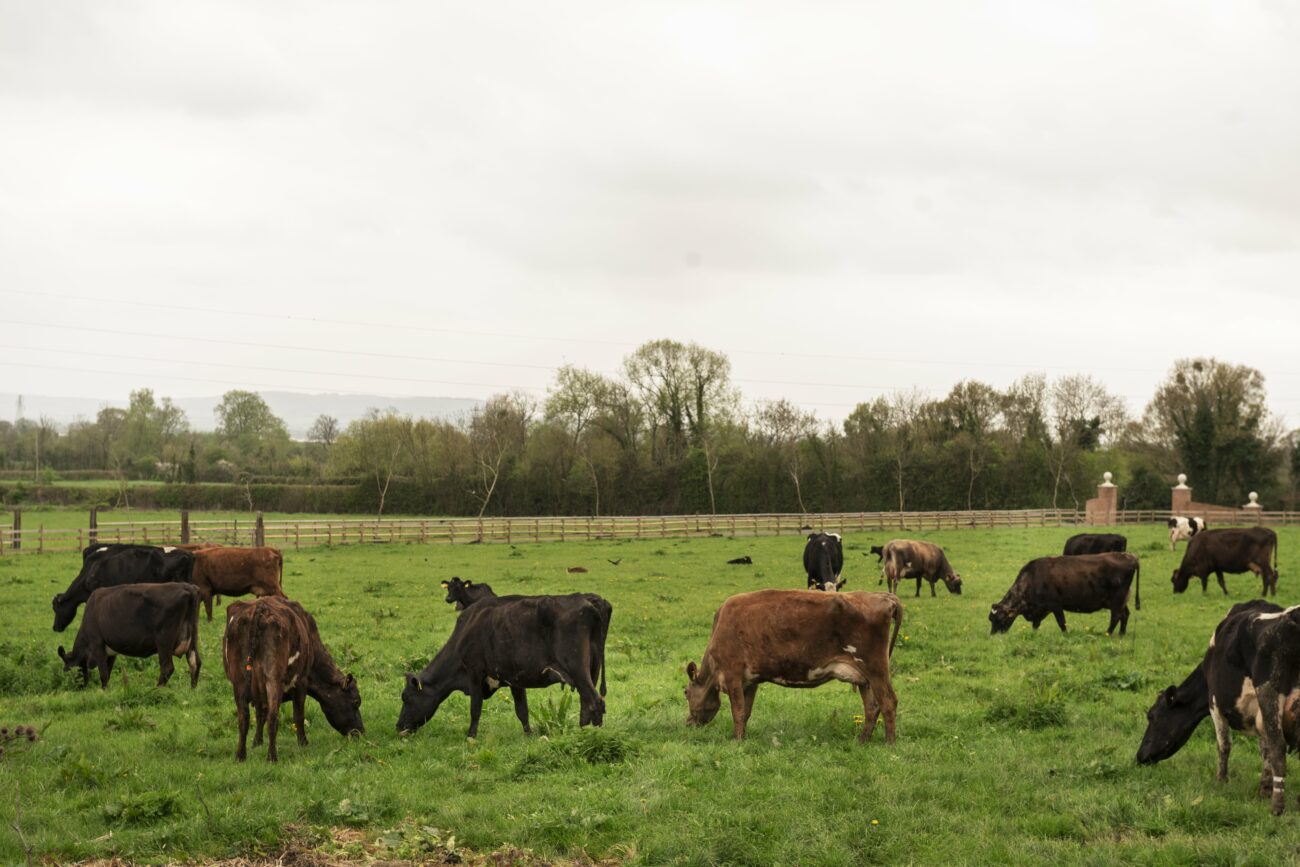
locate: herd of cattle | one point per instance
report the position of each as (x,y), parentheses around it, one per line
(143,600)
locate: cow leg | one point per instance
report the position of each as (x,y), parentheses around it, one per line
(241,711)
(918,586)
(870,712)
(932,593)
(299,711)
(520,695)
(274,695)
(1223,739)
(1219,575)
(1060,618)
(1266,772)
(206,593)
(882,692)
(105,670)
(739,716)
(192,657)
(1038,621)
(750,692)
(1270,712)
(1123,620)
(475,709)
(166,668)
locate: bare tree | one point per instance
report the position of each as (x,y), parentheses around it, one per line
(497,433)
(785,427)
(374,445)
(1083,415)
(904,432)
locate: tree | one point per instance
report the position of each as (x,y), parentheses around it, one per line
(246,423)
(498,431)
(785,427)
(970,413)
(373,446)
(1213,417)
(324,430)
(1083,414)
(683,387)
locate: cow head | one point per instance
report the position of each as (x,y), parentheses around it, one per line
(1002,616)
(1180,580)
(418,705)
(953,583)
(65,611)
(341,701)
(1170,723)
(702,698)
(456,594)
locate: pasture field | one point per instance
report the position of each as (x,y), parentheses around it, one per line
(1011,749)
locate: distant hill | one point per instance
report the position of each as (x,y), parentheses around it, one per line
(298,410)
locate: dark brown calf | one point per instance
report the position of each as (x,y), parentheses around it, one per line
(237,572)
(272,648)
(798,638)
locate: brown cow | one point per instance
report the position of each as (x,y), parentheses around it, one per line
(907,558)
(798,638)
(271,647)
(236,572)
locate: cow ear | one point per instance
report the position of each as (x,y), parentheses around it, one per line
(468,583)
(445,585)
(691,670)
(1169,694)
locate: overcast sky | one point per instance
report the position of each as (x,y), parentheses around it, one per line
(454,199)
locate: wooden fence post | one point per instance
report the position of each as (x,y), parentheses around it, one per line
(17,537)
(94,523)
(40,538)
(185,526)
(259,532)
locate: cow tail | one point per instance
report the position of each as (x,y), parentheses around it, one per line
(279,566)
(1137,581)
(898,624)
(251,649)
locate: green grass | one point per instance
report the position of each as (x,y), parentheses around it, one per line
(1015,748)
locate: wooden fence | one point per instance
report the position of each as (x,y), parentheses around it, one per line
(327,531)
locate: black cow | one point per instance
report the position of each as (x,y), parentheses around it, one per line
(879,551)
(1249,681)
(823,560)
(113,565)
(138,620)
(520,642)
(1235,551)
(1083,583)
(463,594)
(1095,543)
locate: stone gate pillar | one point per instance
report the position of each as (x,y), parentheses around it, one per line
(1180,500)
(1103,508)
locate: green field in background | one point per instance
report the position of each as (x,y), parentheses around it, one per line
(1011,749)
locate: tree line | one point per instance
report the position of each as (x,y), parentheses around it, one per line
(671,434)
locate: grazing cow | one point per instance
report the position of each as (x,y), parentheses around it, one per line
(272,648)
(137,620)
(1183,529)
(1249,681)
(236,572)
(1095,543)
(823,560)
(463,594)
(879,551)
(113,565)
(1237,550)
(905,558)
(1080,583)
(797,638)
(520,642)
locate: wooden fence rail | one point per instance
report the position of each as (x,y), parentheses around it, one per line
(455,531)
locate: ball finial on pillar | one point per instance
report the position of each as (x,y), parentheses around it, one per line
(1182,480)
(1106,480)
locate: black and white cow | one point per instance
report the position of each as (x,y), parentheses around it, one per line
(823,560)
(111,565)
(1183,529)
(1248,681)
(138,620)
(519,642)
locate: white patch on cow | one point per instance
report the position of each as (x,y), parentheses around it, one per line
(288,686)
(292,658)
(835,536)
(837,670)
(781,680)
(493,683)
(192,658)
(1248,703)
(849,648)
(98,551)
(1276,614)
(1222,732)
(1279,782)
(182,648)
(167,549)
(1212,634)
